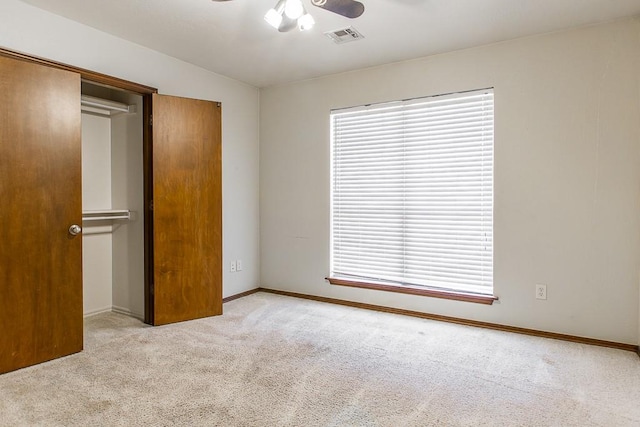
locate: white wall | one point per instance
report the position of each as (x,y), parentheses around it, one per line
(567,177)
(127,192)
(96,194)
(31,30)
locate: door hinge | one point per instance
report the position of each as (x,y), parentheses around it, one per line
(151,205)
(150,119)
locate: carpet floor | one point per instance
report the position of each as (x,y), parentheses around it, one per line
(272,360)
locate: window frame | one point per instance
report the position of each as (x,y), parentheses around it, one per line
(395,286)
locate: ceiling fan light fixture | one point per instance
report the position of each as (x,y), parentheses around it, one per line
(274,16)
(287,14)
(294,9)
(306,22)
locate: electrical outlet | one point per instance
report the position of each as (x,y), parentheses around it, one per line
(541,291)
(239,265)
(233,266)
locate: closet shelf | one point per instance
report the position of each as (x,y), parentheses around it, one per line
(104,106)
(105,215)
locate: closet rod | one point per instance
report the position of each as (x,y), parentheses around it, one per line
(104,215)
(104,104)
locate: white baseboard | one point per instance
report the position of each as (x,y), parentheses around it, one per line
(97,311)
(114,309)
(127,312)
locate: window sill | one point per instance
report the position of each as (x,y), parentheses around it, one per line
(414,290)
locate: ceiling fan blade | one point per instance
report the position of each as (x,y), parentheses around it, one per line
(347,8)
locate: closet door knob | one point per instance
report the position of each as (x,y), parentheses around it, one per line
(75,229)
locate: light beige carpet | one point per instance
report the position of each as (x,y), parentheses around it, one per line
(279,361)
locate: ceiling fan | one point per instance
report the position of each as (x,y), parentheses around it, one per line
(287,14)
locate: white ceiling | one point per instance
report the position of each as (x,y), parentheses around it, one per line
(231,38)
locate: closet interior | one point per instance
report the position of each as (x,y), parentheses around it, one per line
(112,201)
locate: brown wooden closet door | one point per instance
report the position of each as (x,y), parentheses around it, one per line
(40,191)
(187,209)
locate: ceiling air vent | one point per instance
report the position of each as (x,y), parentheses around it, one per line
(344,35)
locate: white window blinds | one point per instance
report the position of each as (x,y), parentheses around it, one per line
(412,192)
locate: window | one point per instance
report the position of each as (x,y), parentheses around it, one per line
(412,193)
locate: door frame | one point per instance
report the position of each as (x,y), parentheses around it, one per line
(146,92)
